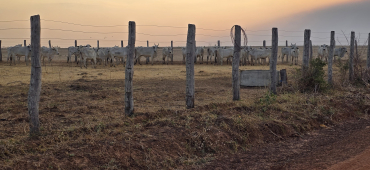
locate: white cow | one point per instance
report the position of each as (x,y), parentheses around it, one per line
(259,54)
(224,53)
(323,52)
(74,51)
(183,54)
(244,56)
(103,55)
(340,52)
(285,51)
(211,51)
(87,53)
(146,52)
(118,53)
(17,52)
(294,52)
(167,52)
(48,53)
(199,52)
(290,52)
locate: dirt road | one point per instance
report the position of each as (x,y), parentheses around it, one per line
(344,146)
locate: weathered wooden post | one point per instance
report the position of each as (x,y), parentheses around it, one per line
(76,55)
(1,53)
(129,73)
(216,54)
(306,50)
(351,55)
(49,44)
(283,77)
(25,44)
(286,43)
(235,62)
(190,55)
(273,62)
(121,43)
(310,58)
(97,44)
(172,52)
(330,58)
(264,43)
(368,52)
(147,59)
(35,84)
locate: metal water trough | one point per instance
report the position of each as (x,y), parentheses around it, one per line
(257,78)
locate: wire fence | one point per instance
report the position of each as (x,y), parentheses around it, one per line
(64,36)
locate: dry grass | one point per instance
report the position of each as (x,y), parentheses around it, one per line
(83,125)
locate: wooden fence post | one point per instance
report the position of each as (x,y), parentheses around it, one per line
(283,77)
(190,55)
(76,55)
(310,58)
(330,58)
(216,55)
(129,73)
(172,52)
(97,43)
(235,62)
(25,44)
(264,43)
(147,59)
(368,52)
(35,84)
(351,56)
(1,53)
(121,43)
(274,52)
(306,50)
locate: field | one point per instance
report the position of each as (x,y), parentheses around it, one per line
(83,125)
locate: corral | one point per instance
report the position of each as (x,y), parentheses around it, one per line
(83,121)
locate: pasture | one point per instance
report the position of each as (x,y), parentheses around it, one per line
(83,124)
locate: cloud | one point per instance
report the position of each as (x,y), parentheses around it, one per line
(345,17)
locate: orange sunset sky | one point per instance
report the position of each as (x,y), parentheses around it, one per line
(218,15)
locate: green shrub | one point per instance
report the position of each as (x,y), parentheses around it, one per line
(313,80)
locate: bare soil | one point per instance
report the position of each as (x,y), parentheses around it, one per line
(83,125)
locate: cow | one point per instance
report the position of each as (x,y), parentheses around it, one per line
(146,52)
(167,52)
(224,53)
(199,52)
(74,51)
(244,56)
(87,53)
(183,54)
(292,51)
(17,52)
(103,55)
(118,53)
(323,52)
(340,52)
(48,53)
(211,51)
(259,54)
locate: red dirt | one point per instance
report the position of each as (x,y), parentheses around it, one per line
(318,150)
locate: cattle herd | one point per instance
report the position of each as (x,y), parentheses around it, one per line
(215,54)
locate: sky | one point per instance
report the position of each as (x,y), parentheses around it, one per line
(160,21)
